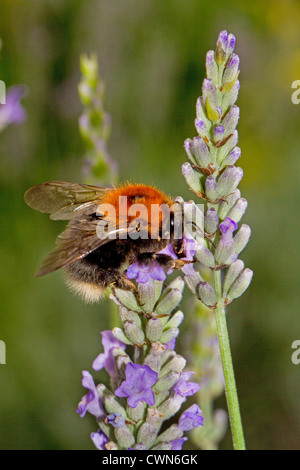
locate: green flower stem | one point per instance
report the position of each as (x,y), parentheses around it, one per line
(230,385)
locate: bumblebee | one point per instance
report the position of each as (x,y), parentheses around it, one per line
(103,237)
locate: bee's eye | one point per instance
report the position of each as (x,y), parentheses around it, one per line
(96,216)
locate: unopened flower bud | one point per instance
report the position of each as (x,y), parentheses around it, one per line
(201,114)
(154,329)
(120,335)
(207,294)
(168,335)
(169,407)
(241,239)
(171,297)
(232,158)
(209,93)
(230,120)
(240,285)
(225,149)
(211,221)
(197,151)
(137,413)
(153,361)
(147,434)
(210,99)
(212,69)
(237,212)
(124,437)
(231,70)
(223,252)
(230,97)
(211,190)
(232,274)
(226,206)
(129,315)
(229,180)
(172,433)
(112,405)
(193,280)
(128,299)
(167,382)
(201,128)
(221,50)
(205,256)
(134,333)
(192,178)
(230,43)
(149,294)
(176,364)
(153,416)
(218,133)
(175,320)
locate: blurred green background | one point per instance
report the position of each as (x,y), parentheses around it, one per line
(151,56)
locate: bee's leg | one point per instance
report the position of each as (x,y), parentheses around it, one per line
(165,261)
(122,282)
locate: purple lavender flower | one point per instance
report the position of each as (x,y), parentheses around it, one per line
(227,228)
(116,420)
(137,386)
(13,112)
(144,273)
(99,439)
(189,247)
(90,402)
(168,251)
(107,359)
(185,388)
(178,443)
(191,418)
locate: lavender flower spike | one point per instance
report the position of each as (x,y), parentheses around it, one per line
(149,386)
(224,205)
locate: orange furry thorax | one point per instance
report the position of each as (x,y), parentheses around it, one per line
(136,194)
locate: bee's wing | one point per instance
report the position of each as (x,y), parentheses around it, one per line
(81,237)
(62,199)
